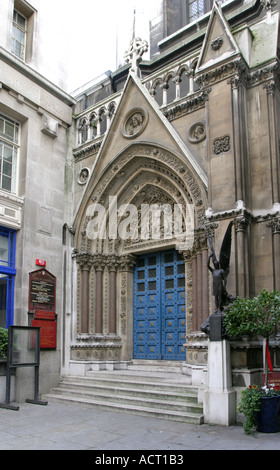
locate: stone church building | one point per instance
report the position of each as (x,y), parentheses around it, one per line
(195,126)
(155,158)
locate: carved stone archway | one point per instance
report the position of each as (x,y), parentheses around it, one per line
(143,174)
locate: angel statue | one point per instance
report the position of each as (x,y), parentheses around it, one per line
(220,271)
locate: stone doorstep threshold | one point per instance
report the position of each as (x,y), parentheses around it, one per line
(81,367)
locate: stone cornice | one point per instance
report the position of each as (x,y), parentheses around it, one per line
(33,75)
(186,106)
(245,216)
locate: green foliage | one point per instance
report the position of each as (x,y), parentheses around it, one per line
(253,317)
(3,342)
(250,403)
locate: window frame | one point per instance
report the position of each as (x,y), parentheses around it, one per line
(17,27)
(10,272)
(23,8)
(13,143)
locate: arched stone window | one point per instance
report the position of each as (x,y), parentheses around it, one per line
(93,127)
(82,131)
(157,91)
(111,110)
(102,121)
(170,88)
(184,81)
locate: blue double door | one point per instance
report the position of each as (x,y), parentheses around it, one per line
(159,321)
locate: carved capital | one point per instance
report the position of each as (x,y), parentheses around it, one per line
(187,255)
(274,224)
(209,229)
(127,263)
(241,223)
(113,262)
(200,242)
(270,87)
(99,262)
(84,260)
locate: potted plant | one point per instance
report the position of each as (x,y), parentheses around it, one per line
(3,343)
(259,316)
(261,407)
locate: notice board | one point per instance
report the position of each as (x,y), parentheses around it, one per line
(42,304)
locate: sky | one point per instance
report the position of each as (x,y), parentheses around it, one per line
(97,34)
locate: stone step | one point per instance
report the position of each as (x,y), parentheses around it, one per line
(131,399)
(130,381)
(168,367)
(126,389)
(149,393)
(180,416)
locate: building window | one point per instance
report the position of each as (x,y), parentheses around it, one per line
(7,276)
(196,9)
(19,33)
(9,140)
(23,28)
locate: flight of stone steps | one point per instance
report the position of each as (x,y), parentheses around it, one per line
(147,390)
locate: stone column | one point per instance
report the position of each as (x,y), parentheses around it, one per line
(177,80)
(205,284)
(99,264)
(194,293)
(273,141)
(190,74)
(164,88)
(238,126)
(125,302)
(187,255)
(242,287)
(84,261)
(112,266)
(275,226)
(199,291)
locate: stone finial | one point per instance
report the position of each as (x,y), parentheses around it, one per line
(134,54)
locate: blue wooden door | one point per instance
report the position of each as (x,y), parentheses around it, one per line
(159,307)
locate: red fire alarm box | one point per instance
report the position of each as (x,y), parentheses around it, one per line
(41,262)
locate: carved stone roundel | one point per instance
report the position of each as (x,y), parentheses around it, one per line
(197,132)
(134,123)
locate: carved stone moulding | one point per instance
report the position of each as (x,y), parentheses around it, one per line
(196,348)
(96,348)
(134,123)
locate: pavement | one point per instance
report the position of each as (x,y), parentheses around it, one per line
(71,427)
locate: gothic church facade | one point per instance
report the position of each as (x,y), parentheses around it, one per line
(195,126)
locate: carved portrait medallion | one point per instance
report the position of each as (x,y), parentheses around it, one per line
(197,132)
(83,176)
(134,123)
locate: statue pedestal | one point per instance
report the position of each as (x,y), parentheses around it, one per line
(219,398)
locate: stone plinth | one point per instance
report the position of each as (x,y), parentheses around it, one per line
(219,398)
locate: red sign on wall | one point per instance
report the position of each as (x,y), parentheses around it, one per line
(47,333)
(42,290)
(42,301)
(41,262)
(44,315)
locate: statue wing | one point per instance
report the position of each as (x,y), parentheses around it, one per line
(226,249)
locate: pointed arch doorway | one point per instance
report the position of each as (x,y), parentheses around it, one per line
(159,321)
